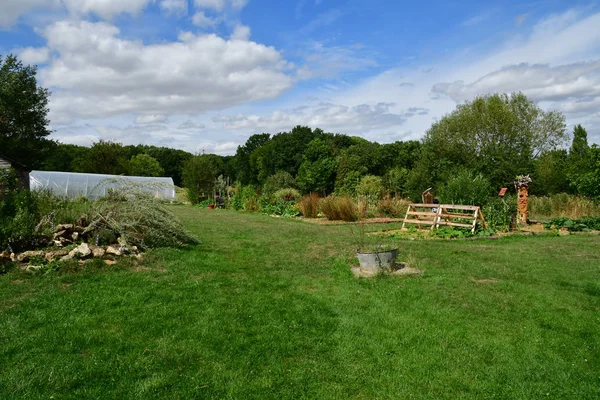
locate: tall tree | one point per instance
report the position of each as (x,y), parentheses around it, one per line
(145,165)
(497,135)
(199,174)
(104,157)
(23,113)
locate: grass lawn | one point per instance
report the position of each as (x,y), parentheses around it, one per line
(268,308)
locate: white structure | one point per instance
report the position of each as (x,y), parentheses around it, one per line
(94,186)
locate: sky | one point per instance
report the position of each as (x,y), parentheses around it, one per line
(204,75)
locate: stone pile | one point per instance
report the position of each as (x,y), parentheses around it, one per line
(67,235)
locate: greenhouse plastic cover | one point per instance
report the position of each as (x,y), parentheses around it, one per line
(94,186)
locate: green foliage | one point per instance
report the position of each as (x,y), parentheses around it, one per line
(23,113)
(104,157)
(466,188)
(496,135)
(277,181)
(339,208)
(498,213)
(199,174)
(587,182)
(287,194)
(574,225)
(370,186)
(395,181)
(551,173)
(145,165)
(316,176)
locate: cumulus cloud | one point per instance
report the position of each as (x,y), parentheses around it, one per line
(327,116)
(200,19)
(541,82)
(33,55)
(11,10)
(106,9)
(240,32)
(97,74)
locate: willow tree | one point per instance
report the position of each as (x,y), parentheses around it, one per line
(498,136)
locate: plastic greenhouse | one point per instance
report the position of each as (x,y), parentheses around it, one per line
(94,186)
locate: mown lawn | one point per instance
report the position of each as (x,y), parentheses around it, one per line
(268,308)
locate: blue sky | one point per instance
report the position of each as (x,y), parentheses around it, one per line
(207,74)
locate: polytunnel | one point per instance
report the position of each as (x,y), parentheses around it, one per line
(94,186)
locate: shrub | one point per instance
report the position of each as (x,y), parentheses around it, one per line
(309,205)
(286,194)
(390,207)
(138,219)
(339,208)
(576,225)
(498,211)
(279,180)
(371,187)
(466,188)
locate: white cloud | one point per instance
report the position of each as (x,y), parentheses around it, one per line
(240,32)
(97,74)
(189,124)
(175,7)
(200,19)
(11,10)
(150,119)
(106,9)
(33,55)
(327,116)
(217,5)
(540,82)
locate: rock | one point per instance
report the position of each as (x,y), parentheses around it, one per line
(5,255)
(26,256)
(563,232)
(110,262)
(83,262)
(98,252)
(63,227)
(59,234)
(113,250)
(57,243)
(75,236)
(67,257)
(32,268)
(51,255)
(83,250)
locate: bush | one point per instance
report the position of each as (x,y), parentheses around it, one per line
(466,188)
(279,180)
(394,208)
(286,194)
(339,208)
(371,187)
(309,205)
(498,211)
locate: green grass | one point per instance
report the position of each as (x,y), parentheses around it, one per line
(267,308)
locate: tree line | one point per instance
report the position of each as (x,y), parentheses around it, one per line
(489,140)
